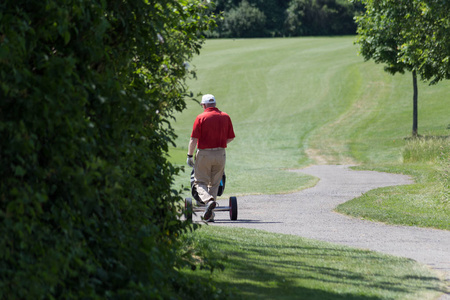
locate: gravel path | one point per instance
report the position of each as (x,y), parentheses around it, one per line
(309,213)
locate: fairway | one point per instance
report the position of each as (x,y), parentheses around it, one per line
(302,101)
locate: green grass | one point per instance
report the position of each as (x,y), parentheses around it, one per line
(424,204)
(262,265)
(388,205)
(270,89)
(427,149)
(302,101)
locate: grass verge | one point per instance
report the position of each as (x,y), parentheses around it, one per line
(425,203)
(296,102)
(262,265)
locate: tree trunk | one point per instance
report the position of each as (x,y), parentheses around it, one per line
(415,96)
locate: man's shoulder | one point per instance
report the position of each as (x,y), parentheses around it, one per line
(212,113)
(218,111)
(224,114)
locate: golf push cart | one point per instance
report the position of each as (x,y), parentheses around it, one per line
(190,207)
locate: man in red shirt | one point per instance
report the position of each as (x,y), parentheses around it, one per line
(211,133)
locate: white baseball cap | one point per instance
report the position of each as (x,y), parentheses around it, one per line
(208,98)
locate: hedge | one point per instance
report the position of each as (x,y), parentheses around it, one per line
(87,89)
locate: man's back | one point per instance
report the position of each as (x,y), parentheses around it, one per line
(212,128)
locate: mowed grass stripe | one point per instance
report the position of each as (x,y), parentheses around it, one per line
(301,101)
(295,101)
(277,92)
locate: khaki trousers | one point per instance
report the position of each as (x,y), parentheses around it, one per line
(209,167)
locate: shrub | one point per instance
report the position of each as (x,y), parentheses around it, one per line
(270,18)
(244,21)
(87,88)
(324,17)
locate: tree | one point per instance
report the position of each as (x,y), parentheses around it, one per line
(295,14)
(381,34)
(87,88)
(427,39)
(319,17)
(269,18)
(245,20)
(274,10)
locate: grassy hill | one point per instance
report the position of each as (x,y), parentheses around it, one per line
(301,101)
(297,102)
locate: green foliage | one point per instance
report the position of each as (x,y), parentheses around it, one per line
(244,21)
(325,17)
(87,90)
(407,35)
(427,39)
(262,18)
(380,36)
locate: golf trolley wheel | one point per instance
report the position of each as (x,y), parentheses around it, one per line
(233,208)
(188,208)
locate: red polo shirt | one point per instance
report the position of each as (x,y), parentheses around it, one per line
(212,128)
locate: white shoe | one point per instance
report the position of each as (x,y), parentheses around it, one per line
(209,210)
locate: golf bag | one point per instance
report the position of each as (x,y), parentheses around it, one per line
(194,188)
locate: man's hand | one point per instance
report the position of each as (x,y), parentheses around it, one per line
(190,161)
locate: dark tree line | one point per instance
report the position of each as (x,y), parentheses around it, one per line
(277,18)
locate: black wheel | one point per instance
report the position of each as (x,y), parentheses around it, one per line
(188,208)
(233,208)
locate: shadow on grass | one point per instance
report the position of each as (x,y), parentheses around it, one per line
(269,271)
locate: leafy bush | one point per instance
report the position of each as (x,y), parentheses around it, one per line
(322,17)
(244,21)
(87,88)
(269,18)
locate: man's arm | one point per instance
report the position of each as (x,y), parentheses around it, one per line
(229,140)
(192,145)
